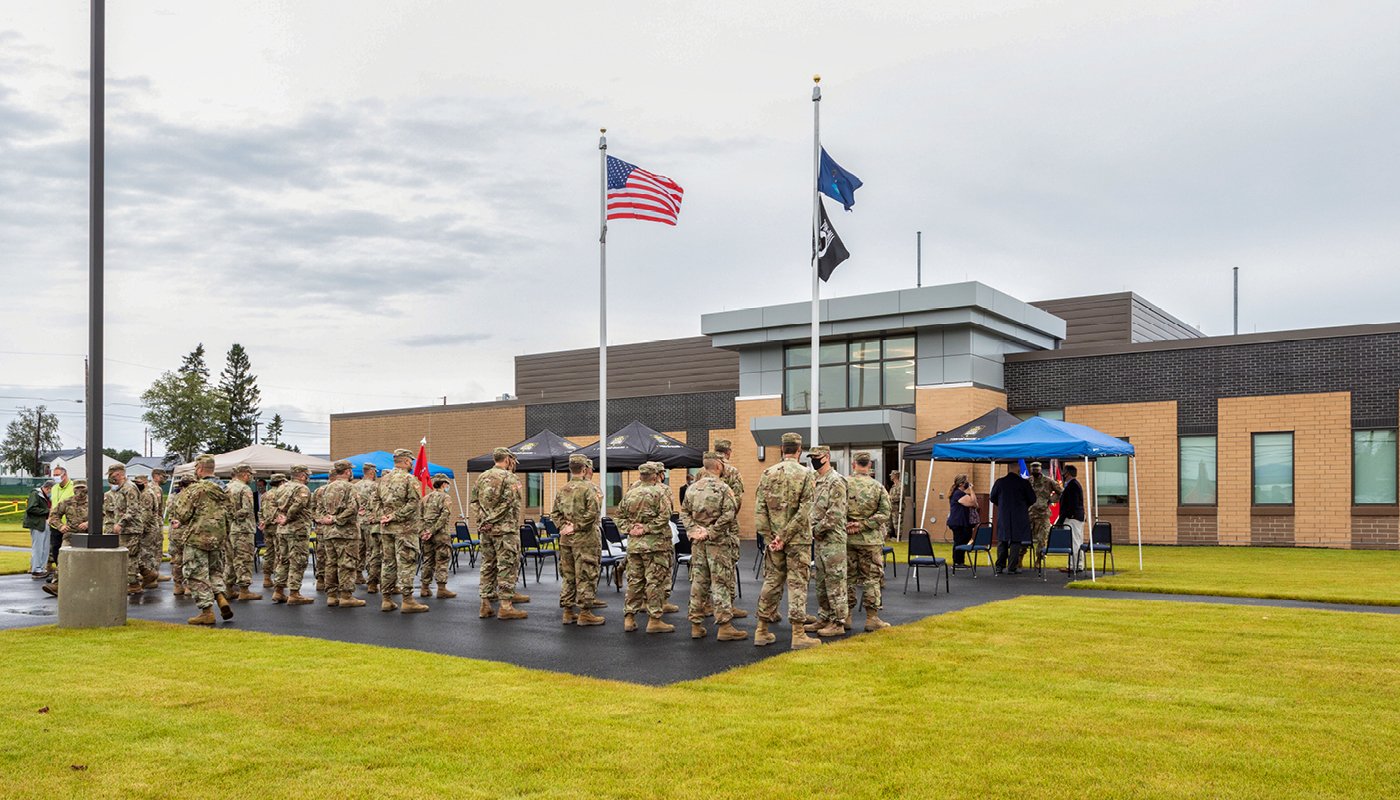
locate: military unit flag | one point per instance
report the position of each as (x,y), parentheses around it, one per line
(634,193)
(837,183)
(830,251)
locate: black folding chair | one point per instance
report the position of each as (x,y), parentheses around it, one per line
(921,556)
(532,550)
(682,554)
(981,543)
(551,535)
(462,540)
(613,562)
(1060,543)
(259,541)
(1103,543)
(887,560)
(758,557)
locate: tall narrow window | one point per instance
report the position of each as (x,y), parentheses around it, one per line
(1273,469)
(534,483)
(1197,470)
(1373,467)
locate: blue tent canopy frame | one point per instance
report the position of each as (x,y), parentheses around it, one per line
(384,461)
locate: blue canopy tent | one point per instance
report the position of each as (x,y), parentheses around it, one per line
(383,460)
(1042,439)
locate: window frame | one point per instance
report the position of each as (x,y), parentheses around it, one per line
(878,364)
(1180,501)
(534,486)
(1292,469)
(1354,502)
(1127,479)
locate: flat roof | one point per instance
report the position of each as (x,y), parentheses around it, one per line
(1229,340)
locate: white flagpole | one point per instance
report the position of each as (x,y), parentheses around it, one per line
(603,317)
(814,400)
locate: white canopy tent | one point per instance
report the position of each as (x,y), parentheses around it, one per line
(263,460)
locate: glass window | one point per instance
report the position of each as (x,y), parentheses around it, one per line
(865,351)
(614,488)
(865,385)
(833,386)
(797,390)
(534,483)
(1197,470)
(1273,469)
(899,347)
(1111,481)
(799,356)
(1057,414)
(1373,467)
(834,353)
(899,382)
(866,373)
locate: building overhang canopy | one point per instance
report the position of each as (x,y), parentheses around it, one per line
(866,426)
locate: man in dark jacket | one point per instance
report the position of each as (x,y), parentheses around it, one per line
(1013,497)
(1072,512)
(36,519)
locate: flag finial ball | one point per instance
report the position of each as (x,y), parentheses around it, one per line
(816,79)
(602,130)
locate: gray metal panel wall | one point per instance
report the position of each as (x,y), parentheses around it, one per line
(672,366)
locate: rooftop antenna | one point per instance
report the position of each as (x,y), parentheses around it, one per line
(1237,301)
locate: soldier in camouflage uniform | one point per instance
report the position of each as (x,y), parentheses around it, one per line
(177,538)
(578,514)
(371,556)
(242,532)
(150,575)
(70,516)
(829,534)
(896,505)
(1047,490)
(270,509)
(318,510)
(203,517)
(495,509)
(868,517)
(294,531)
(783,516)
(437,539)
(401,514)
(731,477)
(338,537)
(645,515)
(710,513)
(121,515)
(154,487)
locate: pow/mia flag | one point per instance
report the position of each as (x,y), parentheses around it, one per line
(830,251)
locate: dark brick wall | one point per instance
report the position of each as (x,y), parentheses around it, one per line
(1197,529)
(1368,366)
(1271,530)
(696,414)
(1375,533)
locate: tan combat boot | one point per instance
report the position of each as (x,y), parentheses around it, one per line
(163,578)
(267,581)
(225,610)
(134,588)
(204,617)
(697,631)
(509,611)
(658,625)
(444,593)
(179,589)
(50,589)
(333,600)
(587,617)
(486,610)
(150,577)
(762,636)
(519,598)
(629,622)
(598,604)
(372,588)
(298,599)
(279,596)
(833,628)
(388,605)
(244,594)
(873,621)
(320,585)
(739,613)
(728,633)
(568,617)
(426,591)
(348,600)
(813,627)
(801,641)
(411,606)
(670,608)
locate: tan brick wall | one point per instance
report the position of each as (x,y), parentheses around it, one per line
(745,455)
(936,409)
(1321,426)
(1151,428)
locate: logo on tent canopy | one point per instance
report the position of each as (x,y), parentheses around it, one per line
(525,448)
(617,441)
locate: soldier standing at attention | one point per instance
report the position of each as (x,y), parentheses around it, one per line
(271,537)
(158,515)
(401,514)
(338,537)
(710,513)
(121,515)
(783,515)
(203,515)
(645,515)
(150,575)
(294,527)
(868,516)
(68,517)
(829,533)
(896,505)
(1047,490)
(437,539)
(177,538)
(242,531)
(495,505)
(731,477)
(368,493)
(318,510)
(577,512)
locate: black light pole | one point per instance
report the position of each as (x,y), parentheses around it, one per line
(94,538)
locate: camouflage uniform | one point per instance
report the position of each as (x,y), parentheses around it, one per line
(242,532)
(735,482)
(710,504)
(648,554)
(177,536)
(437,551)
(495,505)
(783,510)
(71,511)
(153,540)
(270,508)
(122,505)
(829,533)
(1046,490)
(402,501)
(868,510)
(337,544)
(581,552)
(368,493)
(318,510)
(294,535)
(203,517)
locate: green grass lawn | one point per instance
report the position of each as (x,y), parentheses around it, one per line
(1036,697)
(13,563)
(1368,577)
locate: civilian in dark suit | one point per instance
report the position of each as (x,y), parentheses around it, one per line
(1013,497)
(1072,512)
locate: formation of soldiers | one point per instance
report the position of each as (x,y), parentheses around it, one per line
(373,531)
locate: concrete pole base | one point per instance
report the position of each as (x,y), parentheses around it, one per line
(92,587)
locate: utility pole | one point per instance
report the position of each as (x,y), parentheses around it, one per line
(444,399)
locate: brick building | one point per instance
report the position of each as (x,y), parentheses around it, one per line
(1285,438)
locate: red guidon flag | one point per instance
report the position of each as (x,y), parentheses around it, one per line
(420,468)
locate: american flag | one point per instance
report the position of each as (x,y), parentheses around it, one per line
(634,193)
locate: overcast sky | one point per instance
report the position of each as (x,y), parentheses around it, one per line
(385,202)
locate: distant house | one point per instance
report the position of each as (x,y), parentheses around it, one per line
(141,466)
(75,461)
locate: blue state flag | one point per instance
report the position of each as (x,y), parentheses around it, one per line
(837,183)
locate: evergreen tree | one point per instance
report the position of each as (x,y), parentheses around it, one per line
(240,390)
(194,362)
(273,435)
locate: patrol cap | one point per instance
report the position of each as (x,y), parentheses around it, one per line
(160,471)
(79,485)
(402,453)
(1036,464)
(341,466)
(241,469)
(723,445)
(278,477)
(651,468)
(186,480)
(439,479)
(792,438)
(711,455)
(580,460)
(862,457)
(204,460)
(115,468)
(820,450)
(140,479)
(502,452)
(300,469)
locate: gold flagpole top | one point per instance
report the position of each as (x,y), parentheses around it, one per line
(602,130)
(816,79)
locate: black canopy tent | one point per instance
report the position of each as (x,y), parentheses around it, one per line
(994,421)
(546,451)
(635,444)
